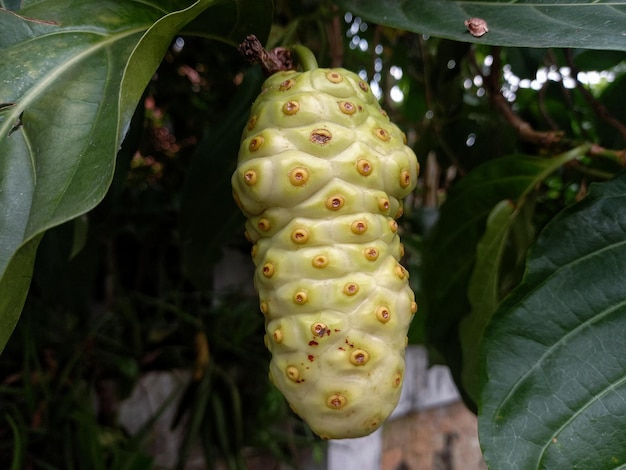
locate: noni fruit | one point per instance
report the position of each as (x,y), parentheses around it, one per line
(320,177)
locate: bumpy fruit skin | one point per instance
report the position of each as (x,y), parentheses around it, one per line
(320,177)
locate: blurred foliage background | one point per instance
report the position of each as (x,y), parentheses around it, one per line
(135,286)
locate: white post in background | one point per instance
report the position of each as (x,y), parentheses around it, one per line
(363,453)
(423,388)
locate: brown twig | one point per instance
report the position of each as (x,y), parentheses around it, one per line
(597,107)
(541,101)
(432,175)
(276,60)
(335,39)
(500,104)
(545,139)
(618,156)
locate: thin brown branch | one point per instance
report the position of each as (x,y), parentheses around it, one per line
(498,101)
(541,100)
(33,20)
(619,156)
(335,39)
(432,174)
(597,107)
(589,171)
(567,95)
(526,132)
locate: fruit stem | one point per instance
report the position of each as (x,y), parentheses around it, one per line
(277,59)
(271,61)
(304,57)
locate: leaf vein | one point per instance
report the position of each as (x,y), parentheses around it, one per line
(583,325)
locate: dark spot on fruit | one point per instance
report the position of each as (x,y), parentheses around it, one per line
(371,253)
(268,269)
(298,176)
(334,77)
(286,85)
(336,401)
(250,177)
(358,227)
(335,202)
(364,167)
(291,107)
(318,329)
(256,143)
(320,136)
(320,261)
(405,178)
(350,288)
(300,235)
(347,108)
(382,134)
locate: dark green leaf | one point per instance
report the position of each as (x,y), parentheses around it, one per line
(18,446)
(10,4)
(75,72)
(554,388)
(598,60)
(542,23)
(483,290)
(14,287)
(450,251)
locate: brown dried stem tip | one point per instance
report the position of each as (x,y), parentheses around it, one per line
(273,61)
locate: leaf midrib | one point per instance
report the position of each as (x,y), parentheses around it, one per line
(605,391)
(534,5)
(583,325)
(39,88)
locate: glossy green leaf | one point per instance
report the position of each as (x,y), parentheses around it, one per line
(483,290)
(541,23)
(554,382)
(450,251)
(71,74)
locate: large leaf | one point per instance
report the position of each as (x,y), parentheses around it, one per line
(450,251)
(542,23)
(554,387)
(71,74)
(500,258)
(483,290)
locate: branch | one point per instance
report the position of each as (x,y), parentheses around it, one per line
(545,139)
(273,61)
(597,107)
(500,104)
(335,38)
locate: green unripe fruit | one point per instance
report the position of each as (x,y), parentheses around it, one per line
(320,176)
